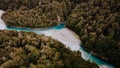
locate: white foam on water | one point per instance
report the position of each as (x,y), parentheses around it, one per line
(2,23)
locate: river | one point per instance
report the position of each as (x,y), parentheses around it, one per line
(65,36)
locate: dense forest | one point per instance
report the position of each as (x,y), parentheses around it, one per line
(29,50)
(35,13)
(97,22)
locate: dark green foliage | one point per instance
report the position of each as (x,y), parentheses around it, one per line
(35,13)
(97,22)
(28,50)
(16,4)
(30,18)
